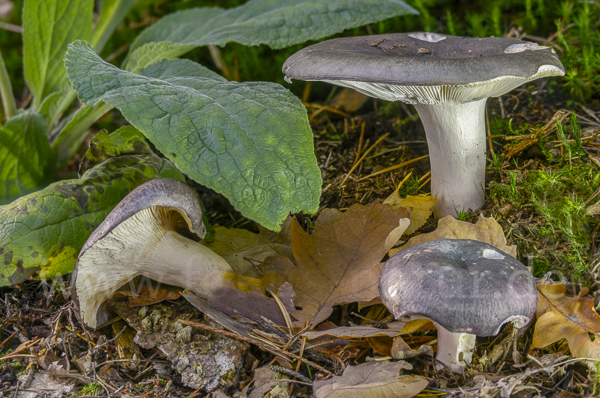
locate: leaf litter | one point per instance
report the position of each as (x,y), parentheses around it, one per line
(565,327)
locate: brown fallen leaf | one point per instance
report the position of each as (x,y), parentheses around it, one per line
(148,293)
(570,318)
(245,250)
(372,379)
(348,100)
(392,329)
(359,331)
(236,303)
(420,207)
(340,261)
(485,230)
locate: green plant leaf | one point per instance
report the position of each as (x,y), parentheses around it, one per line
(113,13)
(278,24)
(41,233)
(49,26)
(74,132)
(26,160)
(249,141)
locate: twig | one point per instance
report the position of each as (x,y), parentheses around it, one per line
(398,166)
(272,350)
(289,372)
(364,156)
(11,27)
(360,142)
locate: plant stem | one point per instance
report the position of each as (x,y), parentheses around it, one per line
(8,98)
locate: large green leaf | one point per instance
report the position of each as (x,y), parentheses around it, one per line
(49,26)
(249,141)
(41,233)
(113,13)
(26,159)
(277,23)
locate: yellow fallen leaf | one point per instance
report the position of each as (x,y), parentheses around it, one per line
(421,208)
(485,230)
(571,318)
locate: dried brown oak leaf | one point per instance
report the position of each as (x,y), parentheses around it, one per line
(485,230)
(570,318)
(372,379)
(340,261)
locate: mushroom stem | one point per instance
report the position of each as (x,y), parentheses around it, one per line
(455,350)
(174,260)
(456,139)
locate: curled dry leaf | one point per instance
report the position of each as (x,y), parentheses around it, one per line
(570,318)
(485,230)
(340,261)
(372,379)
(420,207)
(359,331)
(391,329)
(401,350)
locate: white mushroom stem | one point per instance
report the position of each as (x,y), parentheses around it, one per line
(455,350)
(145,245)
(457,144)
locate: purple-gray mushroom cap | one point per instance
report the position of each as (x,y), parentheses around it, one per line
(466,286)
(142,237)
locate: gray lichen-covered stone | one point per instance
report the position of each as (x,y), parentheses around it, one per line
(205,360)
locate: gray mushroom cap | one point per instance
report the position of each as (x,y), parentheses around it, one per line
(163,192)
(99,271)
(420,59)
(464,285)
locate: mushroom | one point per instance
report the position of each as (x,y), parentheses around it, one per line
(466,287)
(139,237)
(448,79)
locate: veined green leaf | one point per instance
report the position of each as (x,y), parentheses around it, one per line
(113,13)
(26,159)
(49,26)
(249,141)
(41,233)
(277,23)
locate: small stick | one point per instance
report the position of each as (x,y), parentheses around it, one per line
(360,142)
(364,156)
(289,372)
(272,350)
(394,167)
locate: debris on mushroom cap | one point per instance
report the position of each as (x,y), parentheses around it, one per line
(139,238)
(464,285)
(424,68)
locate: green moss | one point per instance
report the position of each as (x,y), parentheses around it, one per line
(91,389)
(544,207)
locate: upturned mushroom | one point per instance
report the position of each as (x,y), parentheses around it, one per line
(139,238)
(466,287)
(448,79)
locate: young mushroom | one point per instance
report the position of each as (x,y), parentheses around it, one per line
(139,238)
(466,287)
(448,79)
